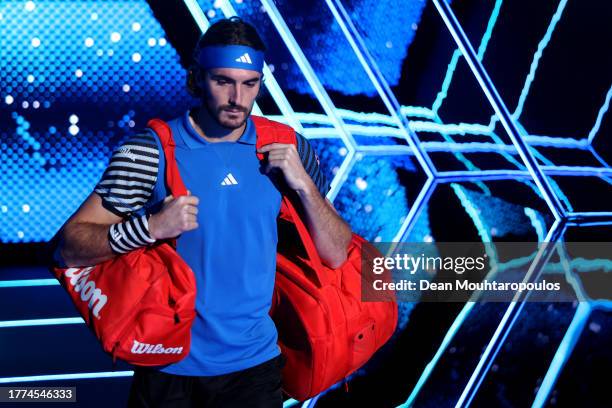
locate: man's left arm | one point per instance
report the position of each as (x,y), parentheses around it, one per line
(330,233)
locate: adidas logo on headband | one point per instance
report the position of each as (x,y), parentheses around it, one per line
(244,58)
(230,56)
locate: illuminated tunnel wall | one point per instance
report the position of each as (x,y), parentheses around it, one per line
(435,122)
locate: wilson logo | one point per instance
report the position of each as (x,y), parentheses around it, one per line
(79,280)
(144,348)
(126,150)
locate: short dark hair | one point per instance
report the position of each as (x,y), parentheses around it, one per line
(228,31)
(231,31)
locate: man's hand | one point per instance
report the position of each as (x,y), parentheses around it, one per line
(176,216)
(286,158)
(330,233)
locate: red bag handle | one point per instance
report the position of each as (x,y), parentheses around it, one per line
(173,178)
(268,132)
(311,249)
(274,132)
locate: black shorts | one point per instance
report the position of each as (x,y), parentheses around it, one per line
(256,387)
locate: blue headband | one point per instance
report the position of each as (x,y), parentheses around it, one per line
(230,56)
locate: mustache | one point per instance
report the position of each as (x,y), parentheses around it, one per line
(233,107)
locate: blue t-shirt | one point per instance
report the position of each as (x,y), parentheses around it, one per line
(233,251)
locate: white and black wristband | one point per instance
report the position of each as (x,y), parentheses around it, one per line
(130,234)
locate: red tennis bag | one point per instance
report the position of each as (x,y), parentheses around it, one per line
(140,305)
(325,330)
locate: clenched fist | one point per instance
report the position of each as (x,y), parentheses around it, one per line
(285,157)
(176,216)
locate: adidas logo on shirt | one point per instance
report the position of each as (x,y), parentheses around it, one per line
(116,235)
(229,180)
(244,58)
(126,150)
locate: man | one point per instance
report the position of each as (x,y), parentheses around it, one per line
(226,226)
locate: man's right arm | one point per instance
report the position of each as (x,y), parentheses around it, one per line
(84,239)
(107,223)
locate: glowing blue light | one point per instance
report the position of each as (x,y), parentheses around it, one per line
(73,67)
(290,403)
(450,70)
(590,214)
(28,282)
(509,318)
(484,42)
(270,83)
(448,337)
(72,376)
(583,311)
(320,93)
(499,107)
(331,125)
(41,322)
(473,212)
(602,111)
(536,222)
(417,111)
(536,58)
(382,88)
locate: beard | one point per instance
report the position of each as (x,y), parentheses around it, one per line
(229,116)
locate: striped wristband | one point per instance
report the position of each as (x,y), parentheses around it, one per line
(130,234)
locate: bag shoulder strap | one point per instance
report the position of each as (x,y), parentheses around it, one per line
(173,177)
(269,131)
